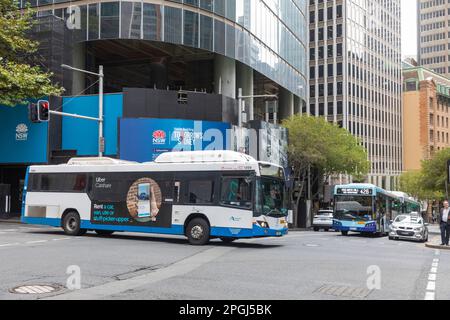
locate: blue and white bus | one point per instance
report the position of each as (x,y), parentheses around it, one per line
(364,208)
(201,195)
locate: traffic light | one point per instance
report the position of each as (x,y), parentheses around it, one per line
(43,110)
(33,112)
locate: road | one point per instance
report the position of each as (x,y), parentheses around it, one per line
(303,265)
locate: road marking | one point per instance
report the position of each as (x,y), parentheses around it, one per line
(437,252)
(179,268)
(61,239)
(430,296)
(432,277)
(9,244)
(38,241)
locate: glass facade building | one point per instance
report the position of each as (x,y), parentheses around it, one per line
(269,36)
(356,77)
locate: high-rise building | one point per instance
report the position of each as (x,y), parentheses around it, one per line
(434,35)
(180,59)
(355,76)
(426,114)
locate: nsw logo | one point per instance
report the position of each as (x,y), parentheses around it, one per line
(21,132)
(159,137)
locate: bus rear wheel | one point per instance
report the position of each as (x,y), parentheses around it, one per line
(104,232)
(198,232)
(72,224)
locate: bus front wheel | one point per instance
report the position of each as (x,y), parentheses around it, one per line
(72,224)
(198,232)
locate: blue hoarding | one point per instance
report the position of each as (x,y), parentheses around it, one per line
(21,140)
(82,135)
(143,140)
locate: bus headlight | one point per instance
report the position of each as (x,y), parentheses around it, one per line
(263,224)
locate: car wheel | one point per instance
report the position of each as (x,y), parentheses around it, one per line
(71,224)
(316,229)
(344,233)
(198,232)
(326,230)
(391,238)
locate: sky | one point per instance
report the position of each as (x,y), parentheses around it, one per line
(409,27)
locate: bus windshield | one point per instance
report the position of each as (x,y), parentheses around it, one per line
(350,208)
(274,196)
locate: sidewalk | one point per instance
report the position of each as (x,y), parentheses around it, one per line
(434,229)
(435,243)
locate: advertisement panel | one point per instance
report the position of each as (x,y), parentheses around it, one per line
(132,199)
(144,140)
(21,140)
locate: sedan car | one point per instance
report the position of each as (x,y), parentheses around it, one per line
(409,227)
(323,220)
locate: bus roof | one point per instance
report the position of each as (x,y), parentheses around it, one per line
(175,161)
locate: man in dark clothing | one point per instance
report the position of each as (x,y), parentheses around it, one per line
(445,223)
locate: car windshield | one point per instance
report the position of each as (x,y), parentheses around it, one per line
(408,219)
(325,213)
(273,196)
(350,208)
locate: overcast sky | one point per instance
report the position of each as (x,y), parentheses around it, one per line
(409,27)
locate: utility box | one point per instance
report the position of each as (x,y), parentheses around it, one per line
(5,199)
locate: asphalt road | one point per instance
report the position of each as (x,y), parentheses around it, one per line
(303,265)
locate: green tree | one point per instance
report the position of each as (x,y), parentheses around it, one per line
(19,79)
(434,172)
(316,144)
(412,182)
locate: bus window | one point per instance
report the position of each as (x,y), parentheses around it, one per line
(176,191)
(201,191)
(236,192)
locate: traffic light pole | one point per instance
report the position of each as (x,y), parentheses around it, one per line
(101,76)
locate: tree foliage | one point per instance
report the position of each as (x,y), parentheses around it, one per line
(19,79)
(316,143)
(429,182)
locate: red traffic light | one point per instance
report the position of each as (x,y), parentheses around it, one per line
(43,110)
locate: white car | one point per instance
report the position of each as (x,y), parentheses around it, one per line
(323,220)
(409,227)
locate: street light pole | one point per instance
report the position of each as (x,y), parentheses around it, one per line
(101,139)
(100,119)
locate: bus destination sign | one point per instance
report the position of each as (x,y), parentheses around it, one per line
(355,191)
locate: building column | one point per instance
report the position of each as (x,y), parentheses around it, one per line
(297,105)
(225,76)
(78,61)
(244,81)
(285,104)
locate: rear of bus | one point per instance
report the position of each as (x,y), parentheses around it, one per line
(354,208)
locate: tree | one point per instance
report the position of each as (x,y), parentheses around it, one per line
(19,79)
(412,183)
(434,172)
(316,144)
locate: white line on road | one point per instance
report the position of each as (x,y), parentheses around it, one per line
(432,276)
(38,241)
(430,296)
(9,244)
(177,269)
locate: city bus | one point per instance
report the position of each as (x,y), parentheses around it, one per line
(408,204)
(364,208)
(199,195)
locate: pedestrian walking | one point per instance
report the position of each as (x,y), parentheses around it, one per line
(445,223)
